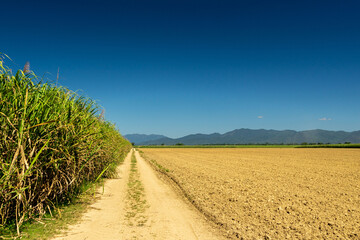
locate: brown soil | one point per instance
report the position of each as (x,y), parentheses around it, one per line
(271,193)
(155,211)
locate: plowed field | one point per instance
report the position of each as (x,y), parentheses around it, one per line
(271,193)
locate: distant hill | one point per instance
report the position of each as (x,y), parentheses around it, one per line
(139,138)
(260,136)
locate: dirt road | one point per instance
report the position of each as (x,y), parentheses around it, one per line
(139,205)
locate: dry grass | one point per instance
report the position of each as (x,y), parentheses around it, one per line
(136,203)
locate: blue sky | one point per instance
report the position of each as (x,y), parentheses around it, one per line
(181,67)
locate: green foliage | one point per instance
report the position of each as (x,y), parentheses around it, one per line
(255,146)
(340,145)
(218,146)
(51,142)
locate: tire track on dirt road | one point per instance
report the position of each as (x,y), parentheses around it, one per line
(104,218)
(169,216)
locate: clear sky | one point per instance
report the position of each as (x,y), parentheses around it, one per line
(181,67)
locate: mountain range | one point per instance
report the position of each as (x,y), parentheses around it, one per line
(250,136)
(141,138)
